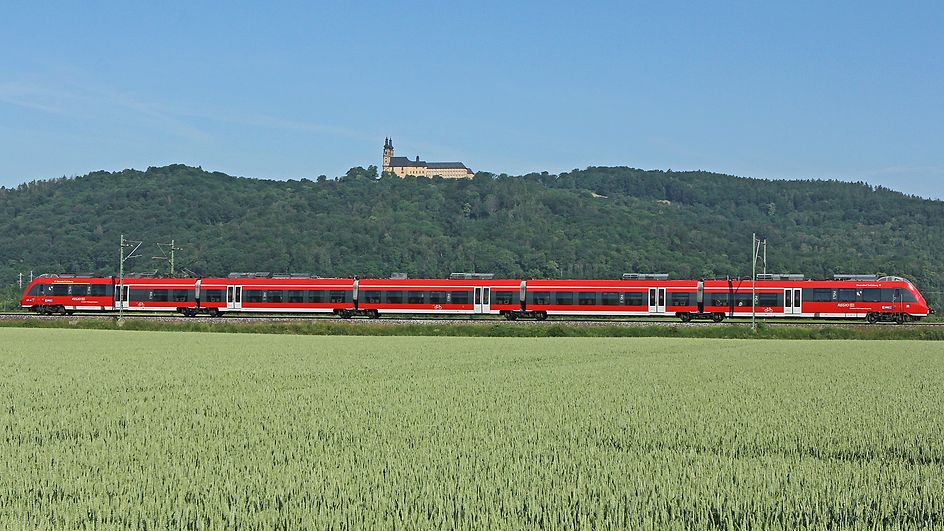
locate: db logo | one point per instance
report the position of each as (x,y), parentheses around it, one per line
(140,305)
(437,307)
(768,309)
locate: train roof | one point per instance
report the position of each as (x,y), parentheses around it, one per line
(268,281)
(436,282)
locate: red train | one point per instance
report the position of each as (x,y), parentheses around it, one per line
(852,297)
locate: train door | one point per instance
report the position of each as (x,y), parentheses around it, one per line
(482,299)
(234,297)
(121,296)
(656,300)
(792,301)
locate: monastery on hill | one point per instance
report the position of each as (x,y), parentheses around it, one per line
(403,166)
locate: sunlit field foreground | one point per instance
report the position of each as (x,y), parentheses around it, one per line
(177,430)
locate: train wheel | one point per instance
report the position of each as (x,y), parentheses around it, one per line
(61,310)
(214,312)
(541,316)
(685,317)
(900,318)
(717,317)
(511,316)
(872,318)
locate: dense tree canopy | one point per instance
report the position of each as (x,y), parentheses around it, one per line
(593,223)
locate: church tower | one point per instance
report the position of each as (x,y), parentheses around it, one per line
(388,154)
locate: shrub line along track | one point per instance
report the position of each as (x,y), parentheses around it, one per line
(453,321)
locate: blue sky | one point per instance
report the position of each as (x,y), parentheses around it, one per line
(842,90)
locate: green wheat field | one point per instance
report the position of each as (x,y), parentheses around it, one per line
(202,431)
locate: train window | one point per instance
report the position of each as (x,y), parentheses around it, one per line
(871,295)
(610,298)
(296,296)
(253,295)
(564,298)
(587,298)
(275,296)
(847,295)
(213,295)
(79,290)
(503,297)
(415,297)
(393,297)
(181,295)
(159,295)
(742,299)
(341,296)
(539,297)
(677,298)
(718,298)
(460,297)
(818,295)
(634,298)
(769,299)
(36,289)
(317,295)
(98,290)
(437,297)
(371,297)
(138,294)
(59,290)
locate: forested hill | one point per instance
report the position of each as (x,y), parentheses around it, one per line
(594,223)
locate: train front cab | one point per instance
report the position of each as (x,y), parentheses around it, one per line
(66,294)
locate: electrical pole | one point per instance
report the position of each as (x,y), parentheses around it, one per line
(755,250)
(121,271)
(765,256)
(21,281)
(165,247)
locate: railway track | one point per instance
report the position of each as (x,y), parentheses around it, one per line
(453,321)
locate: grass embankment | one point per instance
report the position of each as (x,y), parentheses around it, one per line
(493,329)
(199,431)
